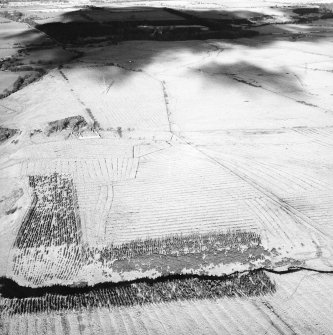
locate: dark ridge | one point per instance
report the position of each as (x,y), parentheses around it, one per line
(84,32)
(213,24)
(74,123)
(15,64)
(11,211)
(96,124)
(23,81)
(18,299)
(297,269)
(6,133)
(306,10)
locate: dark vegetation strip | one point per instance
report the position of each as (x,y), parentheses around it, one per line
(96,124)
(23,81)
(73,123)
(18,300)
(18,17)
(53,215)
(180,245)
(6,133)
(15,64)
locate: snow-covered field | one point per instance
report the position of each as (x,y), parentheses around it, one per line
(185,145)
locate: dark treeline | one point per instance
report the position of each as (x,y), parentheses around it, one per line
(19,299)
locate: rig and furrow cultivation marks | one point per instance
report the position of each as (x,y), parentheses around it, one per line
(76,149)
(315,208)
(103,170)
(322,136)
(139,209)
(270,223)
(95,203)
(146,97)
(265,191)
(319,209)
(275,177)
(86,111)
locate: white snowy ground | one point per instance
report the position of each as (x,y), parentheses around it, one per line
(216,135)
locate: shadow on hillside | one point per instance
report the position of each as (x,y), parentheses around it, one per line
(93,24)
(94,27)
(281,80)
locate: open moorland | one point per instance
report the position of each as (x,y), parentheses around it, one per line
(166,167)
